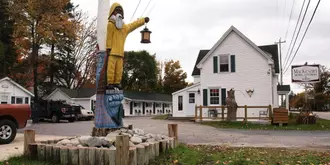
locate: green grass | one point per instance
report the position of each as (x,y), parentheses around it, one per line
(321,124)
(161,117)
(21,160)
(209,155)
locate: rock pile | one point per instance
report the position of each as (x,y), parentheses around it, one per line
(136,136)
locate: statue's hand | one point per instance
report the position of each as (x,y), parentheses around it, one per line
(146,19)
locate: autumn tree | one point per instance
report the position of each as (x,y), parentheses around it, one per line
(174,77)
(36,24)
(7,51)
(75,63)
(140,71)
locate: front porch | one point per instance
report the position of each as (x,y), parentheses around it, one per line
(283,92)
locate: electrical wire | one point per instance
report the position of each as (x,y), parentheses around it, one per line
(294,33)
(310,21)
(287,29)
(135,10)
(146,8)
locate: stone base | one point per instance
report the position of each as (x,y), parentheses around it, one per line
(105,131)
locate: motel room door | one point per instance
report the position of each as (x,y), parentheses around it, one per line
(191,104)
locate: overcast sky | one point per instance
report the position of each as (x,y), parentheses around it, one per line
(180,28)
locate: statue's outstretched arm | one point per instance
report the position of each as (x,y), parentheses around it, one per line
(132,26)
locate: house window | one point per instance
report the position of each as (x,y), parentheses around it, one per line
(136,104)
(157,104)
(224,63)
(214,96)
(180,107)
(26,100)
(166,105)
(191,97)
(3,99)
(148,104)
(19,100)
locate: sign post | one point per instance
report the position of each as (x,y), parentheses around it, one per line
(305,74)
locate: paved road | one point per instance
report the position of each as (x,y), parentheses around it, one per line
(194,133)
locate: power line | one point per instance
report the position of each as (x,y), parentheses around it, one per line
(287,29)
(287,54)
(146,8)
(310,21)
(135,10)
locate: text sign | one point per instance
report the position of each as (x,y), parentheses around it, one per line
(305,73)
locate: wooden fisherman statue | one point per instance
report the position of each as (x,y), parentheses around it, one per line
(109,93)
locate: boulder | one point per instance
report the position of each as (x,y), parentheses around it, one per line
(105,142)
(130,132)
(94,142)
(150,135)
(129,135)
(111,137)
(64,142)
(164,137)
(75,142)
(80,146)
(136,140)
(144,138)
(131,144)
(138,131)
(113,147)
(158,137)
(151,140)
(83,140)
(123,130)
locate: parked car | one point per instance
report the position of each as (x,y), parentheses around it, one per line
(54,110)
(84,114)
(12,117)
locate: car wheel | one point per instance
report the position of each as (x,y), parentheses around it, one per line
(71,120)
(7,131)
(55,118)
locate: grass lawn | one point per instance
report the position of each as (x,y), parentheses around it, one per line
(207,155)
(21,160)
(321,124)
(160,117)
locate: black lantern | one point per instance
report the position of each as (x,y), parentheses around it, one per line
(145,34)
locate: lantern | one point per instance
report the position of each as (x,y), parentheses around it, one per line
(145,34)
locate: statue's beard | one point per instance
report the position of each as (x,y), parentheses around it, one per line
(119,20)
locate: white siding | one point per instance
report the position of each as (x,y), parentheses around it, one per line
(8,90)
(188,110)
(197,79)
(58,95)
(86,103)
(251,73)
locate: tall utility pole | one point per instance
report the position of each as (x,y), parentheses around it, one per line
(280,52)
(281,65)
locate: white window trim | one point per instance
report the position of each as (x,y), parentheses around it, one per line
(3,95)
(209,96)
(229,63)
(194,98)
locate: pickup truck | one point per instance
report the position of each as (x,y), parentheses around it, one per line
(12,117)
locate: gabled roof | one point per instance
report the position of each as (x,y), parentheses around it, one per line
(17,85)
(90,92)
(285,88)
(232,29)
(201,55)
(273,50)
(185,89)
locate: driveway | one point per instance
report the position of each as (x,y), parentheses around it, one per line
(194,133)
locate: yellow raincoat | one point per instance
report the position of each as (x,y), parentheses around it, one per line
(115,41)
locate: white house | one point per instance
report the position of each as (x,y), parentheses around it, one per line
(13,93)
(234,62)
(134,103)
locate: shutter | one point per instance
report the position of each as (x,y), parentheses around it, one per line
(154,110)
(144,108)
(12,100)
(131,108)
(215,64)
(223,96)
(233,63)
(163,108)
(205,97)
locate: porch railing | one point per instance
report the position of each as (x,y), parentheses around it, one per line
(199,112)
